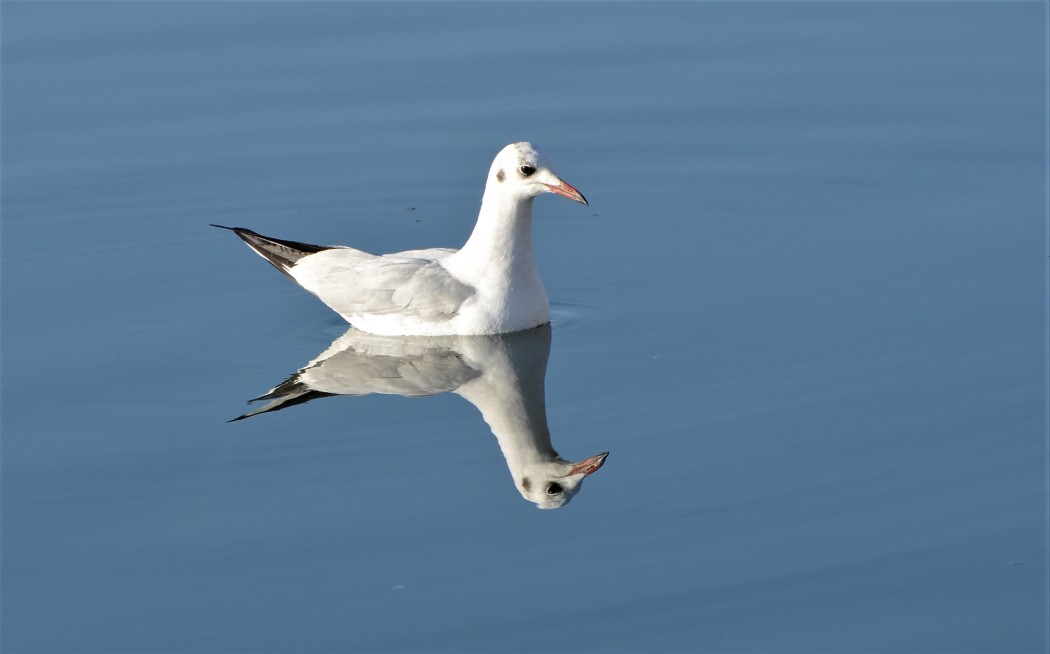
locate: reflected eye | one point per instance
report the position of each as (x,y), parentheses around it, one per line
(553,489)
(527,170)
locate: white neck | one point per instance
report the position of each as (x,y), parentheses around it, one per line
(500,247)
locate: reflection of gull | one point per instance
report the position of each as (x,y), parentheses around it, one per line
(501,375)
(490,286)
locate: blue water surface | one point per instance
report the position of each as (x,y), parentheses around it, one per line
(805,313)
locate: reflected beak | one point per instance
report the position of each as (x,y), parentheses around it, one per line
(589,466)
(569,192)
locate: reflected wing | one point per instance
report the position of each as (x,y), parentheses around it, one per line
(287,394)
(352,367)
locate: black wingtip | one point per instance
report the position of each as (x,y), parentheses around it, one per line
(232,229)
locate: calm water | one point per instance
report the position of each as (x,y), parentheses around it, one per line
(805,313)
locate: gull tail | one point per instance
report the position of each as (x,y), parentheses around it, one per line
(281,254)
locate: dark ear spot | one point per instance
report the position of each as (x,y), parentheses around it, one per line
(500,176)
(525,483)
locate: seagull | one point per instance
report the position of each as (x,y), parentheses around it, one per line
(489,286)
(501,375)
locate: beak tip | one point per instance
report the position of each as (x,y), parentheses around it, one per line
(567,190)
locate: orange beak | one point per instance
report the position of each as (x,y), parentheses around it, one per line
(569,192)
(589,466)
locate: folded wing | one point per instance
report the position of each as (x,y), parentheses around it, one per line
(355,283)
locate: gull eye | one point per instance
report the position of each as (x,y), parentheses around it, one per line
(526,170)
(553,489)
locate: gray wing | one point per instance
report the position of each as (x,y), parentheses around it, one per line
(282,254)
(354,283)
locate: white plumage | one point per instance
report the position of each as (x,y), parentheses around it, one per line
(489,286)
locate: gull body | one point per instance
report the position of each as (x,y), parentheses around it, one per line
(489,286)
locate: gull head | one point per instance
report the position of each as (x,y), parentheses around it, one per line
(552,484)
(523,171)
